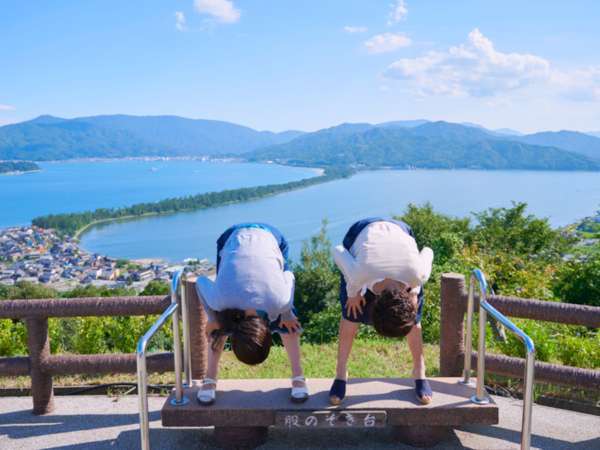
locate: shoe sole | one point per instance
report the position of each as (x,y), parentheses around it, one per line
(298,399)
(424,401)
(335,401)
(205,403)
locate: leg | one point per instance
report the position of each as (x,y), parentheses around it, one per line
(348,330)
(415,344)
(214,356)
(291,342)
(347,333)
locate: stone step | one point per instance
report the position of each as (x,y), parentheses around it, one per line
(392,402)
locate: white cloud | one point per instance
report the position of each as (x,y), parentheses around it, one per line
(387,42)
(398,12)
(222,10)
(578,84)
(180,22)
(473,69)
(6,107)
(351,29)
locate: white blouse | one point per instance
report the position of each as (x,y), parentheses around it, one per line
(251,276)
(383,250)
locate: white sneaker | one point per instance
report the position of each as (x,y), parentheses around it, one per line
(206,397)
(299,394)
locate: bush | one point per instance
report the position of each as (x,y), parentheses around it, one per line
(26,290)
(580,352)
(578,281)
(83,335)
(156,287)
(99,291)
(13,338)
(322,327)
(544,337)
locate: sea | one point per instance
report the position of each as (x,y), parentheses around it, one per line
(562,197)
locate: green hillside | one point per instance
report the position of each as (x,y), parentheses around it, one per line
(118,136)
(433,145)
(17,166)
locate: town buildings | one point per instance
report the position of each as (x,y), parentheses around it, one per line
(42,256)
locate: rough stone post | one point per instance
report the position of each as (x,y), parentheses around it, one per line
(241,438)
(453,308)
(422,435)
(39,351)
(197,319)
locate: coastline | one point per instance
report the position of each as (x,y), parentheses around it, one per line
(78,233)
(19,172)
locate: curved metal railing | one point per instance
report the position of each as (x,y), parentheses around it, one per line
(481,397)
(141,353)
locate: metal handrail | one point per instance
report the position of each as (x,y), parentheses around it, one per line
(187,348)
(481,397)
(142,371)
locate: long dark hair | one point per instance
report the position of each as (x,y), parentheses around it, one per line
(250,335)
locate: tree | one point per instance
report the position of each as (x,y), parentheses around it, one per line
(317,277)
(445,235)
(510,231)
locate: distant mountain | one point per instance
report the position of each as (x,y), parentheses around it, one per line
(507,132)
(573,141)
(49,138)
(451,132)
(594,133)
(433,145)
(403,143)
(403,123)
(496,132)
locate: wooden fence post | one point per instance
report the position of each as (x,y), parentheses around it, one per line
(39,351)
(197,319)
(453,308)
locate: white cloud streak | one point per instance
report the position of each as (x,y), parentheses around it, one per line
(223,11)
(351,29)
(7,107)
(180,22)
(398,12)
(473,69)
(387,42)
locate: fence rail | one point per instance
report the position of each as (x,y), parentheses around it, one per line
(41,366)
(454,300)
(82,307)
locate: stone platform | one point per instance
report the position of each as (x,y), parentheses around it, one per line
(246,408)
(98,422)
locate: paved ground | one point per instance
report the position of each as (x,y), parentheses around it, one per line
(98,422)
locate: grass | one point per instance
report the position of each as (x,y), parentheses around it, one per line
(372,358)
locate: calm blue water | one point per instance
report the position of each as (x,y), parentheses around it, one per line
(563,197)
(80,186)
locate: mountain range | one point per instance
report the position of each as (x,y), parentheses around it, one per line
(431,145)
(53,138)
(408,143)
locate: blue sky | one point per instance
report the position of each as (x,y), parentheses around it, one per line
(280,64)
